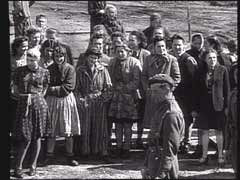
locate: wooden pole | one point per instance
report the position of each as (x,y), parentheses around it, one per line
(189,23)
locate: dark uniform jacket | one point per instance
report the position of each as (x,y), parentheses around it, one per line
(184,93)
(168,121)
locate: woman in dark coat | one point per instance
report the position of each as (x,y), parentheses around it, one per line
(212,91)
(125,72)
(30,85)
(92,85)
(62,104)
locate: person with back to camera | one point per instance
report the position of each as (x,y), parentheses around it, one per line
(167,128)
(211,105)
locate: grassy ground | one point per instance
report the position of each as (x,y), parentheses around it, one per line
(69,17)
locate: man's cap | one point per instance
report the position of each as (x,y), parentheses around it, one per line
(161,78)
(51,31)
(155,16)
(93,51)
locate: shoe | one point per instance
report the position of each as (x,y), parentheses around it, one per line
(72,162)
(18,173)
(215,155)
(139,144)
(203,160)
(125,154)
(184,148)
(106,159)
(32,171)
(197,153)
(221,162)
(48,161)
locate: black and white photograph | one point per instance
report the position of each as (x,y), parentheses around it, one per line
(123,90)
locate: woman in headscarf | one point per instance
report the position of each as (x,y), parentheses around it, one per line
(62,105)
(30,84)
(92,86)
(125,72)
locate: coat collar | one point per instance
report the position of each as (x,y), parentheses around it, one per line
(155,57)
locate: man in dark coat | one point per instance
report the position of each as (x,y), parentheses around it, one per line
(184,92)
(96,10)
(167,125)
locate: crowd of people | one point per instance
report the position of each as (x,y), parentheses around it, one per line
(147,77)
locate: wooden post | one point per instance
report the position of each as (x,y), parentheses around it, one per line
(189,23)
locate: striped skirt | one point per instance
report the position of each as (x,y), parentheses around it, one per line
(64,115)
(94,129)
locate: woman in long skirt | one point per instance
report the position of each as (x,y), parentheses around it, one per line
(91,92)
(30,85)
(62,105)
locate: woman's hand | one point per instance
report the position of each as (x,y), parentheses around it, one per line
(194,114)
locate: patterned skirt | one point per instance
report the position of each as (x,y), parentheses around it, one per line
(32,120)
(94,127)
(123,106)
(64,115)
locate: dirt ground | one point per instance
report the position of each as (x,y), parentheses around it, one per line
(72,20)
